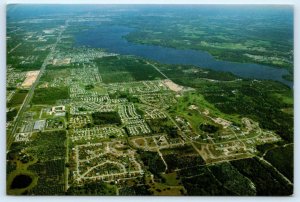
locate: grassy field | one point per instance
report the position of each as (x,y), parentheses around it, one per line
(162,189)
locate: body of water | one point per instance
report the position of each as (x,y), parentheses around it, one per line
(111,38)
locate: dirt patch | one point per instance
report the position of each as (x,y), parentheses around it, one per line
(172,86)
(30,78)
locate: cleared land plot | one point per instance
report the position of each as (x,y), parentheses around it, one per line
(30,78)
(173,86)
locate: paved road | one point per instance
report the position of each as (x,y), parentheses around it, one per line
(158,70)
(275,169)
(28,98)
(14,48)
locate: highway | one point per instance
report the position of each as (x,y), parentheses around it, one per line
(10,137)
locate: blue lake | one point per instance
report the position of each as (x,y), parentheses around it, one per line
(111,38)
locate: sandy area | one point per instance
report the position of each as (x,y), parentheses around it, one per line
(172,86)
(30,78)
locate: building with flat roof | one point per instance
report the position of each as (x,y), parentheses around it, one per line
(58,110)
(39,125)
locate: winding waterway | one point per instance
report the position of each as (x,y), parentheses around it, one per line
(111,38)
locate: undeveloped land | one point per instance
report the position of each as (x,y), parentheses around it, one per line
(172,86)
(30,78)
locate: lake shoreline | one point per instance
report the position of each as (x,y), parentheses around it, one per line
(113,39)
